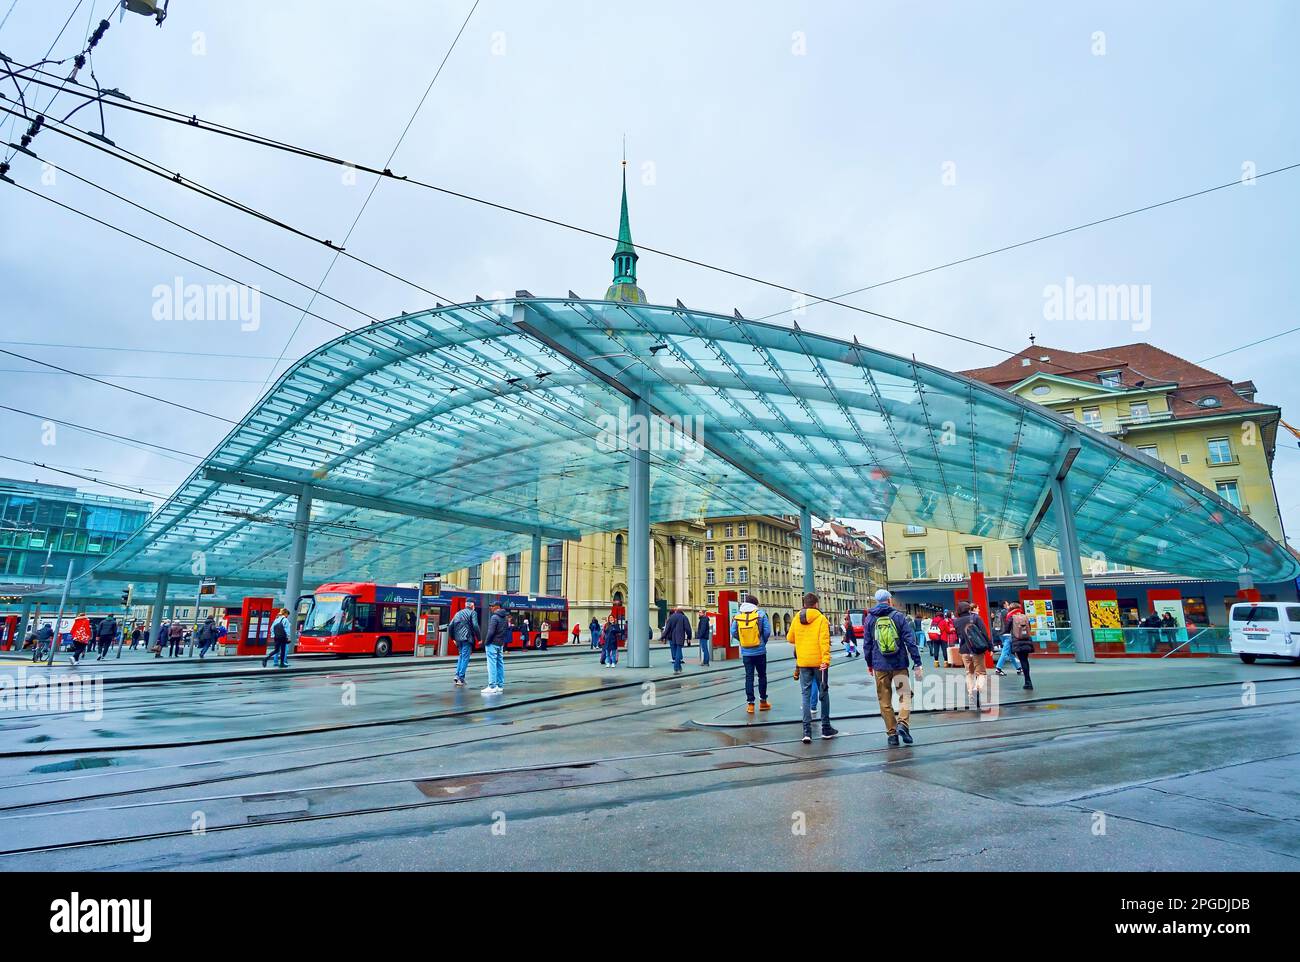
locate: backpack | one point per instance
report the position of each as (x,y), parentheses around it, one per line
(278,632)
(1019,627)
(747,629)
(974,637)
(886,635)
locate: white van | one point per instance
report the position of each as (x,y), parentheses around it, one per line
(1264,630)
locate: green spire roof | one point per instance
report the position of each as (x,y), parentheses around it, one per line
(625,257)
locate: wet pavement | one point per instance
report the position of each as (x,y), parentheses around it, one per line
(373,765)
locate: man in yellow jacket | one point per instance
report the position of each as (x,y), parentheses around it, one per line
(810,633)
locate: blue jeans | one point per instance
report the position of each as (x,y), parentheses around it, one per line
(675,647)
(496,665)
(815,697)
(463,651)
(1006,653)
(755,663)
(278,654)
(610,653)
(706,651)
(595,639)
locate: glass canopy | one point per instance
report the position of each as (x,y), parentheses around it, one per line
(441,439)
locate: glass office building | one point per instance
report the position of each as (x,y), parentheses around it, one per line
(44,526)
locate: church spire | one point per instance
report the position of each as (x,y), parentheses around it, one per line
(625,256)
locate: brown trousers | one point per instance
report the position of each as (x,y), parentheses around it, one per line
(887,682)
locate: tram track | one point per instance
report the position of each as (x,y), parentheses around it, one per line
(425,784)
(718,688)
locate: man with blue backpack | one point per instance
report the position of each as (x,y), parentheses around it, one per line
(890,642)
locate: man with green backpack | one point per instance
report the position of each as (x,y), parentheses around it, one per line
(889,642)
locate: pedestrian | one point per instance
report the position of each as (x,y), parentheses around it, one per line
(934,638)
(891,641)
(523,632)
(677,631)
(176,639)
(810,633)
(278,652)
(704,632)
(543,635)
(494,643)
(463,630)
(577,633)
(81,637)
(609,647)
(974,643)
(850,636)
(105,635)
(207,636)
(137,637)
(1022,640)
(1169,634)
(1151,623)
(751,628)
(595,634)
(1002,630)
(159,638)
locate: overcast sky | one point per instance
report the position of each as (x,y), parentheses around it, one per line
(825,146)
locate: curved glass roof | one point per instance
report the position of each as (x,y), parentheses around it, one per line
(440,439)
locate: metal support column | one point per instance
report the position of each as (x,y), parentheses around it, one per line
(24,622)
(806,542)
(535,567)
(1030,559)
(638,537)
(297,559)
(156,615)
(1076,595)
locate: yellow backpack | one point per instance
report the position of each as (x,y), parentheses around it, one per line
(747,629)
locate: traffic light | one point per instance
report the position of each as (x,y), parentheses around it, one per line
(126,596)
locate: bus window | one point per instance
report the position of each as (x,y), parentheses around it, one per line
(363,618)
(329,616)
(397,617)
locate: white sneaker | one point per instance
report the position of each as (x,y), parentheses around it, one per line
(489,690)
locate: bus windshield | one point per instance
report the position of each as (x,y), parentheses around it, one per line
(330,615)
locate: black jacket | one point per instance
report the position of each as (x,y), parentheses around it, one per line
(704,630)
(972,624)
(677,628)
(498,632)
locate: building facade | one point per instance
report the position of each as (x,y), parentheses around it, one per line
(43,527)
(1198,422)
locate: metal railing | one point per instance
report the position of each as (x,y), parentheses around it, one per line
(1204,639)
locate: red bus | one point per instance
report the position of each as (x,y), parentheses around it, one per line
(363,618)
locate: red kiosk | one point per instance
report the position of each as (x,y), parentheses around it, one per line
(723,646)
(251,627)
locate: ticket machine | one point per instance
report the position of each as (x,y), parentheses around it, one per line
(255,617)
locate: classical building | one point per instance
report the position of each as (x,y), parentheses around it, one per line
(1202,424)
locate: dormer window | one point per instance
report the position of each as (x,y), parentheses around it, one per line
(1109,378)
(1209,401)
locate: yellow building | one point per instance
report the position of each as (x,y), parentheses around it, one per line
(1200,423)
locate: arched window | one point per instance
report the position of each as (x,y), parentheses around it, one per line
(618,550)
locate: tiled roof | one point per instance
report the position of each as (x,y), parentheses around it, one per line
(1136,363)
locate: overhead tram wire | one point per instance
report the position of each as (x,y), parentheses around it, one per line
(151,167)
(373,188)
(278,145)
(22,91)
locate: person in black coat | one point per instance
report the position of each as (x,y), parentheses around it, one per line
(677,631)
(704,632)
(973,641)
